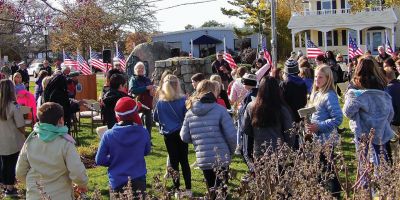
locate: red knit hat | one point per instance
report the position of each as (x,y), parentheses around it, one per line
(127,109)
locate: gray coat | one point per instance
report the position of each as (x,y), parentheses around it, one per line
(268,136)
(368,109)
(211,130)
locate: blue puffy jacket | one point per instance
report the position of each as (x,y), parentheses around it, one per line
(211,130)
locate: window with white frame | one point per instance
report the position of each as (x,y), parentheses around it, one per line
(326,4)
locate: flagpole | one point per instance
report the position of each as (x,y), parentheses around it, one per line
(191,47)
(348,46)
(305,35)
(224,45)
(63,55)
(90,56)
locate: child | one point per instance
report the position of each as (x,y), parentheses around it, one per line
(122,149)
(211,130)
(26,98)
(223,95)
(327,117)
(116,92)
(169,113)
(12,129)
(49,158)
(17,78)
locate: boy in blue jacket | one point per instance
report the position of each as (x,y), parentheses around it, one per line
(122,149)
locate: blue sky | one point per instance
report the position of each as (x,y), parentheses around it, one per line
(176,19)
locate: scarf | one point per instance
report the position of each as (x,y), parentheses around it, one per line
(48,132)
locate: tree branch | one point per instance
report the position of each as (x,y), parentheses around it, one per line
(53,8)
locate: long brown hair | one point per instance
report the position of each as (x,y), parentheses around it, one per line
(7,96)
(368,75)
(267,109)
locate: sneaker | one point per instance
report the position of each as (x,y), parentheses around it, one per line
(180,195)
(11,193)
(187,193)
(238,150)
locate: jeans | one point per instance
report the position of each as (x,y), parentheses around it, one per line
(138,187)
(178,153)
(7,168)
(147,119)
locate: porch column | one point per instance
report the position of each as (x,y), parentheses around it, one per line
(358,39)
(293,41)
(325,41)
(300,43)
(393,39)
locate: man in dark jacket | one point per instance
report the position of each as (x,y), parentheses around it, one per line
(294,89)
(14,68)
(24,73)
(393,89)
(56,91)
(382,56)
(46,67)
(116,92)
(222,68)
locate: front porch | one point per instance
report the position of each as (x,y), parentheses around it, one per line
(331,30)
(337,40)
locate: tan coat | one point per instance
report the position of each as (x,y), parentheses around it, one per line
(55,165)
(11,139)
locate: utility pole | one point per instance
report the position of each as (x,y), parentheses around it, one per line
(273,31)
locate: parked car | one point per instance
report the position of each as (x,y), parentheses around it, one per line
(34,68)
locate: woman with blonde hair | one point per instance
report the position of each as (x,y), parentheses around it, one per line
(211,130)
(327,117)
(12,125)
(223,95)
(170,112)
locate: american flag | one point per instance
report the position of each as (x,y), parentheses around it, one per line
(312,50)
(229,59)
(83,65)
(97,62)
(389,49)
(121,59)
(266,54)
(68,61)
(354,50)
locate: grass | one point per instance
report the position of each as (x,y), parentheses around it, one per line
(156,161)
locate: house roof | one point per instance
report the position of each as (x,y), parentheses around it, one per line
(205,39)
(386,18)
(195,30)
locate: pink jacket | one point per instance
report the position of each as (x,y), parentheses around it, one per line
(26,98)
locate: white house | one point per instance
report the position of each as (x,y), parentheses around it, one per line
(328,23)
(206,41)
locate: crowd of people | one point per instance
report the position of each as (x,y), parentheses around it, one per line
(235,111)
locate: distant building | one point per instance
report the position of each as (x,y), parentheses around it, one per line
(329,22)
(206,41)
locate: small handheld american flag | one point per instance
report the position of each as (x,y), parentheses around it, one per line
(389,49)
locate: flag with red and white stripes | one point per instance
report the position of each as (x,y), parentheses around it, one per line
(228,57)
(389,49)
(97,62)
(121,59)
(312,50)
(69,61)
(84,67)
(354,50)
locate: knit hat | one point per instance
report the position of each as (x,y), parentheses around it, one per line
(127,109)
(291,67)
(249,79)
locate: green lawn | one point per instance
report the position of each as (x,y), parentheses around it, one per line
(156,161)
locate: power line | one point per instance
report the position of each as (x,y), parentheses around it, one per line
(183,4)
